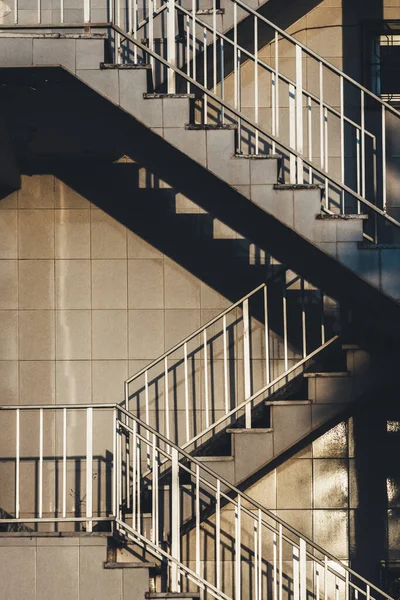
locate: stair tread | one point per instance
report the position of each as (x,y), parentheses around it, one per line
(328,374)
(153,95)
(199,126)
(297,186)
(287,402)
(325,217)
(214,458)
(104,66)
(254,430)
(129,565)
(257,156)
(172,595)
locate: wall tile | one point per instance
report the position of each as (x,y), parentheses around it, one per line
(146,334)
(8,284)
(8,234)
(109,334)
(73,334)
(36,233)
(109,284)
(36,334)
(109,238)
(37,382)
(73,382)
(36,284)
(73,284)
(146,283)
(182,289)
(108,380)
(72,233)
(294,474)
(9,381)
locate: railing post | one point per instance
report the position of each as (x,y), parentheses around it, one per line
(303,570)
(17,459)
(89,469)
(246,361)
(86,11)
(175,520)
(299,112)
(171,45)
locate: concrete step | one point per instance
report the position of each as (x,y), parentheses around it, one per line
(129,565)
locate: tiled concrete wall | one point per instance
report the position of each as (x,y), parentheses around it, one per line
(65,568)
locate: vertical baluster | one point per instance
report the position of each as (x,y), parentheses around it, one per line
(134,32)
(138,485)
(296,577)
(61,11)
(342,165)
(239,93)
(246,361)
(273,109)
(39,11)
(155,519)
(238,545)
(64,465)
(222,78)
(40,463)
(292,132)
(358,142)
(214,26)
(218,534)
(205,98)
(266,335)
(175,517)
(325,578)
(255,551)
(171,46)
(118,473)
(310,152)
(299,112)
(117,35)
(321,115)
(368,594)
(86,11)
(147,413)
(185,359)
(274,568)
(317,582)
(363,164)
(128,463)
(303,570)
(346,584)
(15,11)
(285,336)
(194,55)
(151,34)
(198,562)
(166,394)
(89,468)
(277,109)
(383,158)
(187,57)
(259,555)
(206,407)
(326,133)
(322,318)
(235,63)
(336,589)
(280,562)
(129,24)
(256,78)
(17,460)
(134,467)
(226,380)
(303,319)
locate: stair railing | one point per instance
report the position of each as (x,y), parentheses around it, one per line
(214,538)
(219,372)
(332,133)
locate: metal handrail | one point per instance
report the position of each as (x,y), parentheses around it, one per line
(239,499)
(243,117)
(236,492)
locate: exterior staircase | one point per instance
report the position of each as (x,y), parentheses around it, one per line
(173,476)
